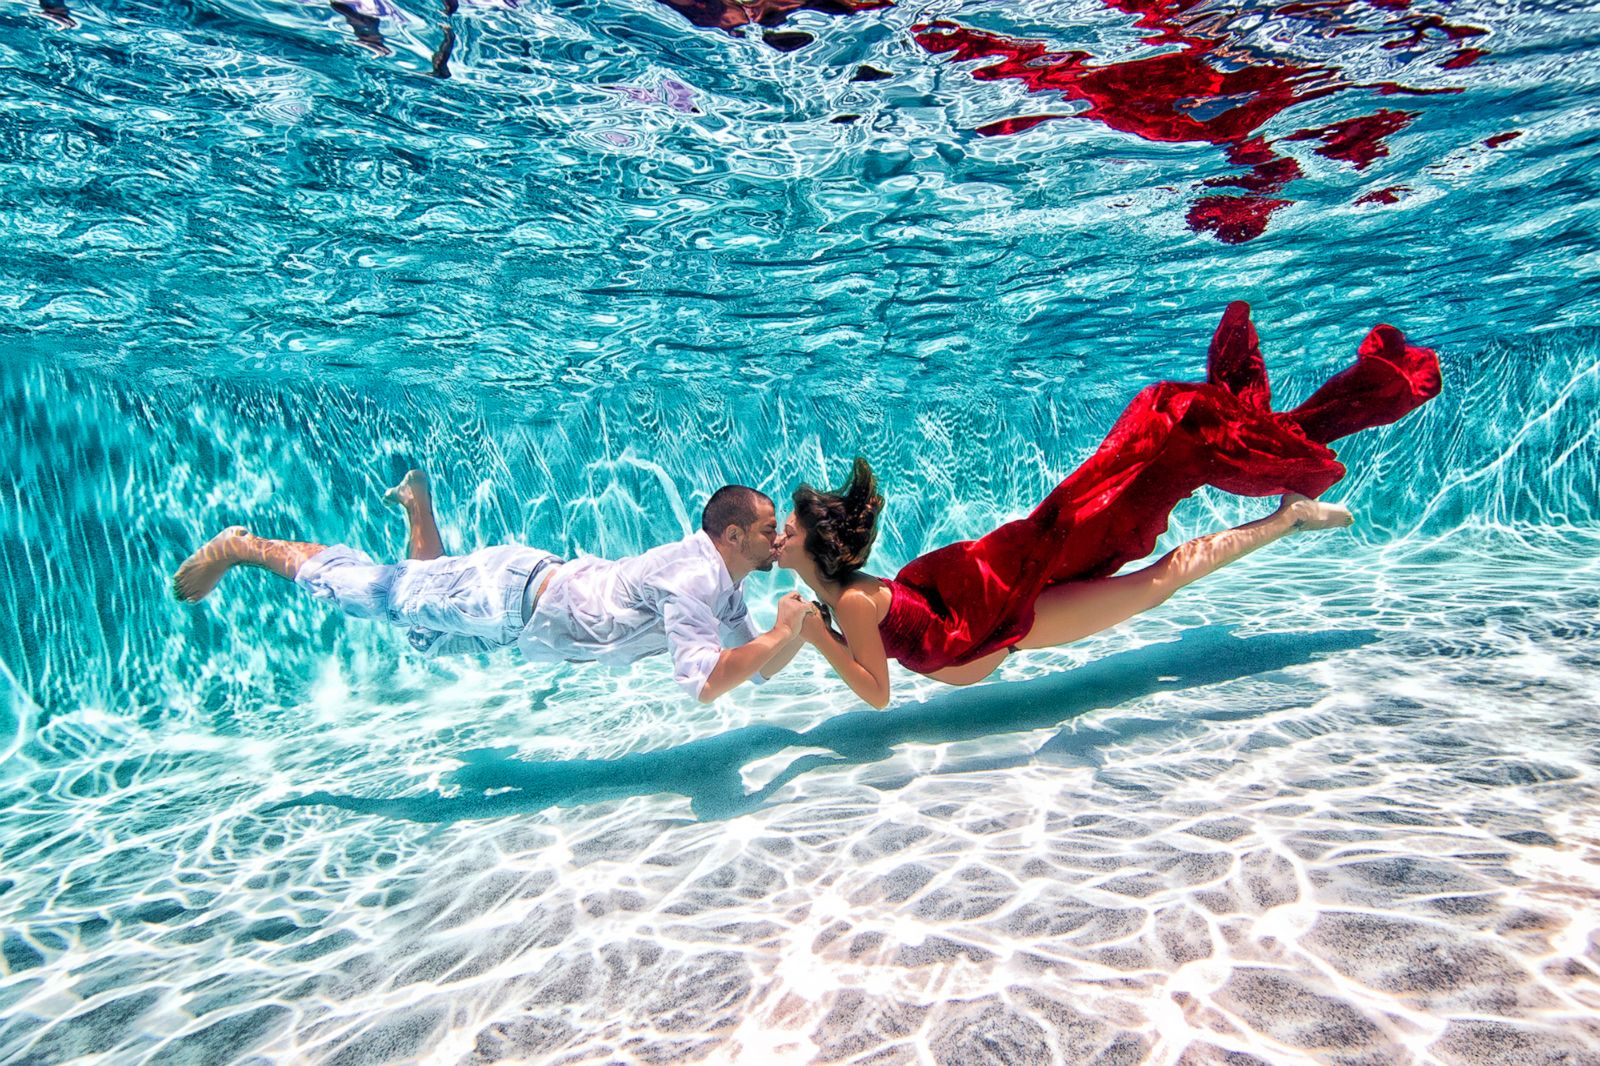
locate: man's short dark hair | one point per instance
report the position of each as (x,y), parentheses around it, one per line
(731,505)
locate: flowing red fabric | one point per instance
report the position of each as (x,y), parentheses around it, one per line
(963,601)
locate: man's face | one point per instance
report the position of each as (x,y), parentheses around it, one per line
(760,545)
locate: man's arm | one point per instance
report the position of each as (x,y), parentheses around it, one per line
(742,629)
(699,662)
(769,652)
(783,656)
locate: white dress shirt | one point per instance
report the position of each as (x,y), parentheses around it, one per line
(672,598)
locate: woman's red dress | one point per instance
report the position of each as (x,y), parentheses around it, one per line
(963,601)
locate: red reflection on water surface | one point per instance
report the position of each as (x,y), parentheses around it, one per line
(731,14)
(1212,90)
(1153,98)
(1464,58)
(1357,140)
(1234,219)
(1391,195)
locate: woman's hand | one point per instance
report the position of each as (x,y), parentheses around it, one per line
(812,626)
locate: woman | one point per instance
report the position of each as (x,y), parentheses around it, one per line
(1044,580)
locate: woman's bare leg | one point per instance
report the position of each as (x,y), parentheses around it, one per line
(1078,609)
(970,673)
(237,546)
(422,533)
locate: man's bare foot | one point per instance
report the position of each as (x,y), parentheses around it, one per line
(200,572)
(1315,514)
(412,491)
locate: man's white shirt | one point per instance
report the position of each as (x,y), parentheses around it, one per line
(675,598)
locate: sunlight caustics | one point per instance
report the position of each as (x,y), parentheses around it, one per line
(1333,805)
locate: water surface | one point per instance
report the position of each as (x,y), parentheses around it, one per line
(1336,805)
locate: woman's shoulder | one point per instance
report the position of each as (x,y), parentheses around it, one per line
(863,585)
(866,591)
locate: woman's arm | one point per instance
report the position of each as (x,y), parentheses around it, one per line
(859,658)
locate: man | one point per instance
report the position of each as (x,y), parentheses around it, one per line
(674,598)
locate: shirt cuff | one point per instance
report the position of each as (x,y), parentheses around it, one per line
(692,676)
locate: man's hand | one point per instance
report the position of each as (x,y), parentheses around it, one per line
(769,652)
(793,611)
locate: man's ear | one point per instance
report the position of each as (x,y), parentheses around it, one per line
(729,531)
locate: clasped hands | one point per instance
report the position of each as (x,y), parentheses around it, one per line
(803,617)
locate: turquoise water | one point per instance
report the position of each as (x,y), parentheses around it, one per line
(1336,805)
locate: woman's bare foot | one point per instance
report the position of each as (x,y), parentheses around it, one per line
(1315,514)
(200,572)
(412,491)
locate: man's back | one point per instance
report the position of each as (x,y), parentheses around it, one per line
(674,598)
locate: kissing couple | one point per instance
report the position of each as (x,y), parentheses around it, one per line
(954,614)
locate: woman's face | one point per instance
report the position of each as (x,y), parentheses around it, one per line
(792,544)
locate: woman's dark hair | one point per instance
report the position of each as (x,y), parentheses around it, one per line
(840,526)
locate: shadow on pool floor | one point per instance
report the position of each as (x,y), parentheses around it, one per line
(707,771)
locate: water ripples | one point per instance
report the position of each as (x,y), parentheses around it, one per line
(573,162)
(257,257)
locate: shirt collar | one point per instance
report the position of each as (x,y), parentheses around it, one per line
(702,542)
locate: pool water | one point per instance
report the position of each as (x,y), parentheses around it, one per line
(1339,804)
